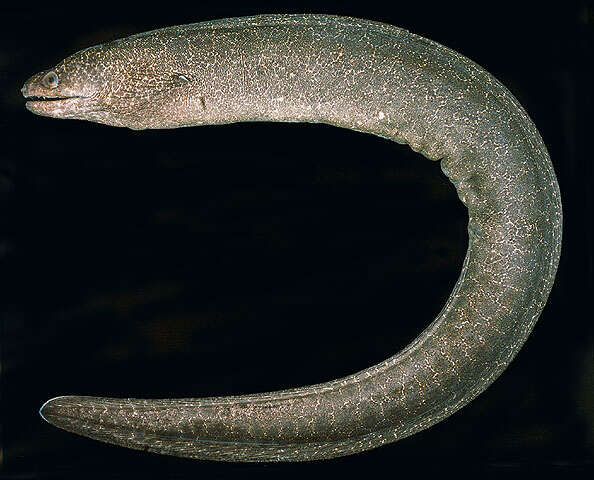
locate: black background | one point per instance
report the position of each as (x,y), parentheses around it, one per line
(253,257)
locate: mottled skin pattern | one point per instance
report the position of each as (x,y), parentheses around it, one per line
(364,76)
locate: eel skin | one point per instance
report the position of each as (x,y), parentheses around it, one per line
(369,77)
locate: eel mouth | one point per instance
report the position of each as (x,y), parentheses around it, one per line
(41,98)
(48,105)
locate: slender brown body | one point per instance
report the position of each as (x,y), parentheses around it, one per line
(363,76)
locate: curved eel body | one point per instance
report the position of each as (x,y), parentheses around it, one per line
(364,76)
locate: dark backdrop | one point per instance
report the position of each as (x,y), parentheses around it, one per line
(253,257)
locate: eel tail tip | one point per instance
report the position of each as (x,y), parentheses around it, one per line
(49,408)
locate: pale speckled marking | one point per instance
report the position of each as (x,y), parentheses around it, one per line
(369,77)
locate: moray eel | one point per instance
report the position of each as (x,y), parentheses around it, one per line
(365,76)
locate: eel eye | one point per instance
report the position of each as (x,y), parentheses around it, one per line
(50,80)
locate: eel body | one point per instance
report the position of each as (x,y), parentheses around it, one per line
(364,76)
